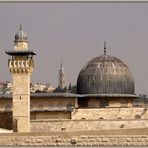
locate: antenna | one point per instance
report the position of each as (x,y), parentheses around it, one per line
(61,62)
(61,67)
(104,47)
(20,26)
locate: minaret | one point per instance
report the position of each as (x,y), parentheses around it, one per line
(61,77)
(21,65)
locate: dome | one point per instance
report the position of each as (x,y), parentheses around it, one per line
(20,35)
(105,75)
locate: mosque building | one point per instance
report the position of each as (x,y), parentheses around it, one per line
(105,90)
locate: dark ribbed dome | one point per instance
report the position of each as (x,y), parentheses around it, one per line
(20,35)
(105,75)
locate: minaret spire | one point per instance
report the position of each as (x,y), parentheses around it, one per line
(61,63)
(104,47)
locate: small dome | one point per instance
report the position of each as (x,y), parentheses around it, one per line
(20,35)
(105,75)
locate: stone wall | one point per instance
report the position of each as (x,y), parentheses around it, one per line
(81,125)
(50,115)
(92,119)
(124,137)
(51,104)
(110,113)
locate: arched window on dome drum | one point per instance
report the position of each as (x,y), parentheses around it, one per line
(104,103)
(83,103)
(123,103)
(69,107)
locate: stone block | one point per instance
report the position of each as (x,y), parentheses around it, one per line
(133,140)
(53,137)
(142,144)
(39,140)
(98,140)
(58,140)
(110,136)
(144,136)
(91,140)
(27,141)
(128,140)
(140,140)
(102,144)
(105,140)
(73,141)
(84,136)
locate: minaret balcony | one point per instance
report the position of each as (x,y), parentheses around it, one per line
(21,63)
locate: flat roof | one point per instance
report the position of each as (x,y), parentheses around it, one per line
(53,95)
(45,95)
(70,95)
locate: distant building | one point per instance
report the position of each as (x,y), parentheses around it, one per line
(5,87)
(38,87)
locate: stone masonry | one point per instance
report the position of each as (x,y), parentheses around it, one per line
(135,137)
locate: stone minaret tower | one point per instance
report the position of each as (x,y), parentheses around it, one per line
(21,65)
(61,77)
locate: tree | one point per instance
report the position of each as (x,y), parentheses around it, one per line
(69,87)
(74,89)
(38,91)
(59,90)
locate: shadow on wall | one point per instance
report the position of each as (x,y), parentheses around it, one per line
(6,120)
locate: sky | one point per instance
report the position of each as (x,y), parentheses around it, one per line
(75,33)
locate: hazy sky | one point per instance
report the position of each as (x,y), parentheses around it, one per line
(75,32)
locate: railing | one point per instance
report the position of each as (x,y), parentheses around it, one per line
(20,63)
